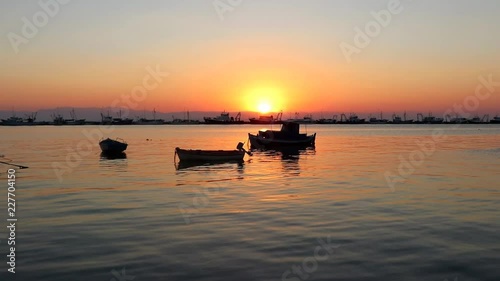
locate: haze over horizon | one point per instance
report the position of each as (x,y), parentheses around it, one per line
(259,56)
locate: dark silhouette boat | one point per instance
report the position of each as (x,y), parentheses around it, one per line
(396,119)
(289,135)
(267,119)
(109,146)
(18,121)
(224,119)
(154,121)
(211,155)
(109,120)
(495,120)
(421,119)
(375,120)
(353,119)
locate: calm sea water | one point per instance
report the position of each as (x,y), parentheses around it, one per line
(324,214)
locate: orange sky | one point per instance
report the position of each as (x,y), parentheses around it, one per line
(289,60)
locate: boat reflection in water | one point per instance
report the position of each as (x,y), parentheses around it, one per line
(113,156)
(208,165)
(288,157)
(287,153)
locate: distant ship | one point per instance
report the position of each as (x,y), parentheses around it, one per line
(396,119)
(353,119)
(154,121)
(188,121)
(108,120)
(327,121)
(224,119)
(456,120)
(58,119)
(74,120)
(477,120)
(304,120)
(18,121)
(267,119)
(374,120)
(495,120)
(429,119)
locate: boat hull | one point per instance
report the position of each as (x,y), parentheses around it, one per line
(110,146)
(209,155)
(261,142)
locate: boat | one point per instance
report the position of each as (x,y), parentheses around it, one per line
(327,121)
(267,119)
(74,120)
(211,155)
(106,119)
(289,135)
(177,121)
(122,121)
(495,120)
(429,119)
(13,121)
(396,119)
(58,119)
(110,146)
(224,119)
(154,121)
(455,120)
(353,119)
(18,121)
(304,120)
(188,121)
(374,120)
(109,120)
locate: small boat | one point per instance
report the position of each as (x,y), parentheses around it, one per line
(289,135)
(110,146)
(211,155)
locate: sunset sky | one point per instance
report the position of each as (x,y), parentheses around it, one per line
(282,54)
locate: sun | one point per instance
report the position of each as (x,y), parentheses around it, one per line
(264,99)
(264,107)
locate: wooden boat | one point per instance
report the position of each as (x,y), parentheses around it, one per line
(211,155)
(110,146)
(288,136)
